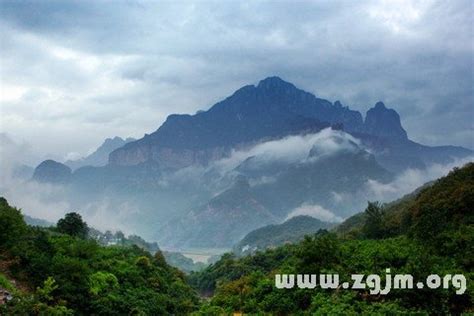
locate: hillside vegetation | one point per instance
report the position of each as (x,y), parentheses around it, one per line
(73,275)
(61,271)
(431,231)
(270,236)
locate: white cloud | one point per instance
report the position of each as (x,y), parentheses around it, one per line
(409,180)
(316,211)
(292,149)
(95,70)
(105,215)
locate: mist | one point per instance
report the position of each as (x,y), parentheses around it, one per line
(110,212)
(291,149)
(409,180)
(315,211)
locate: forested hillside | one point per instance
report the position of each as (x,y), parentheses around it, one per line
(59,271)
(430,232)
(270,236)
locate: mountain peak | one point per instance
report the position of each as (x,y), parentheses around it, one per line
(383,122)
(274,82)
(380,105)
(112,140)
(52,171)
(273,108)
(101,155)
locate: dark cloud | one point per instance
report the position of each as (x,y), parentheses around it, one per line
(76,72)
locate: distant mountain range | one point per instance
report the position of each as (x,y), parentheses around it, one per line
(206,180)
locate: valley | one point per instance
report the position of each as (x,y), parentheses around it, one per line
(255,158)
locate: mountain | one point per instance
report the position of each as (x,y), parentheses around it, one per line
(178,260)
(270,110)
(317,179)
(398,154)
(353,225)
(218,223)
(427,213)
(33,221)
(266,152)
(429,232)
(100,156)
(23,172)
(270,236)
(383,122)
(50,271)
(267,189)
(53,172)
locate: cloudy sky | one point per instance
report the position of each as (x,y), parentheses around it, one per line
(74,73)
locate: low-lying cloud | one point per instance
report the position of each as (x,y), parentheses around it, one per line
(292,149)
(49,201)
(316,211)
(409,180)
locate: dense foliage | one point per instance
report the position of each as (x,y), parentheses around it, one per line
(73,225)
(75,275)
(429,232)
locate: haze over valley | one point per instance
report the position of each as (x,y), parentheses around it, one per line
(266,153)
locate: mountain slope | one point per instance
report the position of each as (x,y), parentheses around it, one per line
(270,236)
(52,172)
(220,222)
(315,181)
(436,237)
(274,108)
(433,210)
(269,187)
(100,156)
(77,276)
(383,122)
(270,110)
(176,177)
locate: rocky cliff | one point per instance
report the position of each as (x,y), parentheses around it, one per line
(272,109)
(383,122)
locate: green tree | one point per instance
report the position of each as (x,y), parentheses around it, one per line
(73,225)
(374,224)
(42,302)
(12,224)
(100,282)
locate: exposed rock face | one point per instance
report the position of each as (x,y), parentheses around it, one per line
(274,108)
(383,122)
(52,171)
(206,207)
(270,110)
